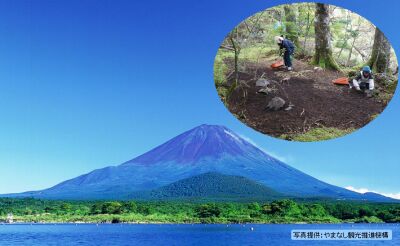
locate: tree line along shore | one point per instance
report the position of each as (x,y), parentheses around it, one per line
(30,210)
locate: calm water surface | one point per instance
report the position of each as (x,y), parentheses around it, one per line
(133,234)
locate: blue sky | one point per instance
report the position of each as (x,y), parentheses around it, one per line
(87,84)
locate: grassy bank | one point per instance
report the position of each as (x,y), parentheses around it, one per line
(318,134)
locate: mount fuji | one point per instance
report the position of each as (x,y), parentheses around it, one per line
(202,150)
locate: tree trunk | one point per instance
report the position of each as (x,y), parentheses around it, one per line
(354,35)
(292,32)
(360,52)
(236,50)
(346,35)
(380,56)
(308,27)
(323,47)
(351,51)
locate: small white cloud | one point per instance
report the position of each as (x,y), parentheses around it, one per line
(392,195)
(361,190)
(365,190)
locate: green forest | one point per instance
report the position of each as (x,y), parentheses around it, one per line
(30,210)
(330,43)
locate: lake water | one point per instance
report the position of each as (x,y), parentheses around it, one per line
(167,234)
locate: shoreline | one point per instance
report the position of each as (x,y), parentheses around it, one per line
(171,223)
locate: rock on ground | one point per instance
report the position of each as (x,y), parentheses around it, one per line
(265,90)
(262,82)
(276,103)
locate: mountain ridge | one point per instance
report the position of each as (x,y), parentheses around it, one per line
(203,149)
(204,140)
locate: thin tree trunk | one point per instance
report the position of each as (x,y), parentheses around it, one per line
(236,52)
(345,35)
(307,30)
(351,51)
(360,52)
(354,41)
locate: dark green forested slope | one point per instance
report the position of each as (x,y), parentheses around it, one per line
(216,186)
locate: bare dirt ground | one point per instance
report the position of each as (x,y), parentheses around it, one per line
(316,100)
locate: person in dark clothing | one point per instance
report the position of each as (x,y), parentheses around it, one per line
(364,81)
(287,47)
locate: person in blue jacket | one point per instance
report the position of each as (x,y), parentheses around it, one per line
(287,47)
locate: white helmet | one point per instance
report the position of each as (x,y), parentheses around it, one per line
(278,39)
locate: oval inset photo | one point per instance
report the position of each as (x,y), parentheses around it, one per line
(305,71)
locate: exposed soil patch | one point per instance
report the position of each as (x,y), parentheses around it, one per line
(316,100)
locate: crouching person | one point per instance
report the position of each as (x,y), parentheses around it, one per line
(364,81)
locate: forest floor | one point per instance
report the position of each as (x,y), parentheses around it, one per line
(317,102)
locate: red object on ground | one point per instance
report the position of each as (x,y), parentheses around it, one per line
(341,81)
(277,64)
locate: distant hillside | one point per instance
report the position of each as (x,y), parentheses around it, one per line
(214,185)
